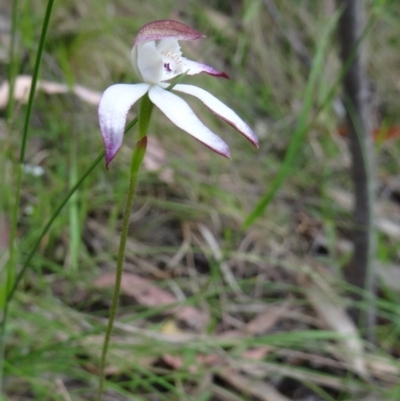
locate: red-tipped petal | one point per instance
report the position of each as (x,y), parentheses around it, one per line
(219,109)
(194,68)
(179,112)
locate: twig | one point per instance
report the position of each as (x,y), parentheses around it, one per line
(359,272)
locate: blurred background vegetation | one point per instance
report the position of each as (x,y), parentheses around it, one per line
(209,310)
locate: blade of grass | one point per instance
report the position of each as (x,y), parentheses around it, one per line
(11,265)
(301,130)
(12,262)
(74,229)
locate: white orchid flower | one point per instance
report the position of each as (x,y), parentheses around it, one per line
(156,58)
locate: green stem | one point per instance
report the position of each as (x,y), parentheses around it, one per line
(137,158)
(74,227)
(35,77)
(12,261)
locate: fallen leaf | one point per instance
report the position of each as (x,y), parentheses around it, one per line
(256,353)
(23,84)
(175,362)
(88,95)
(148,294)
(266,320)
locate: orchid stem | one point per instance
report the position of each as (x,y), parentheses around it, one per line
(137,158)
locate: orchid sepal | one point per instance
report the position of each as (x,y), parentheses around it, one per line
(166,29)
(219,109)
(113,109)
(179,112)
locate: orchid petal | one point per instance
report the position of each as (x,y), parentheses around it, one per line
(179,112)
(113,109)
(193,68)
(149,62)
(164,29)
(220,109)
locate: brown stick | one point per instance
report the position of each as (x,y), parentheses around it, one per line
(359,271)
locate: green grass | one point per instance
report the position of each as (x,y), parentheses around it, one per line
(296,243)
